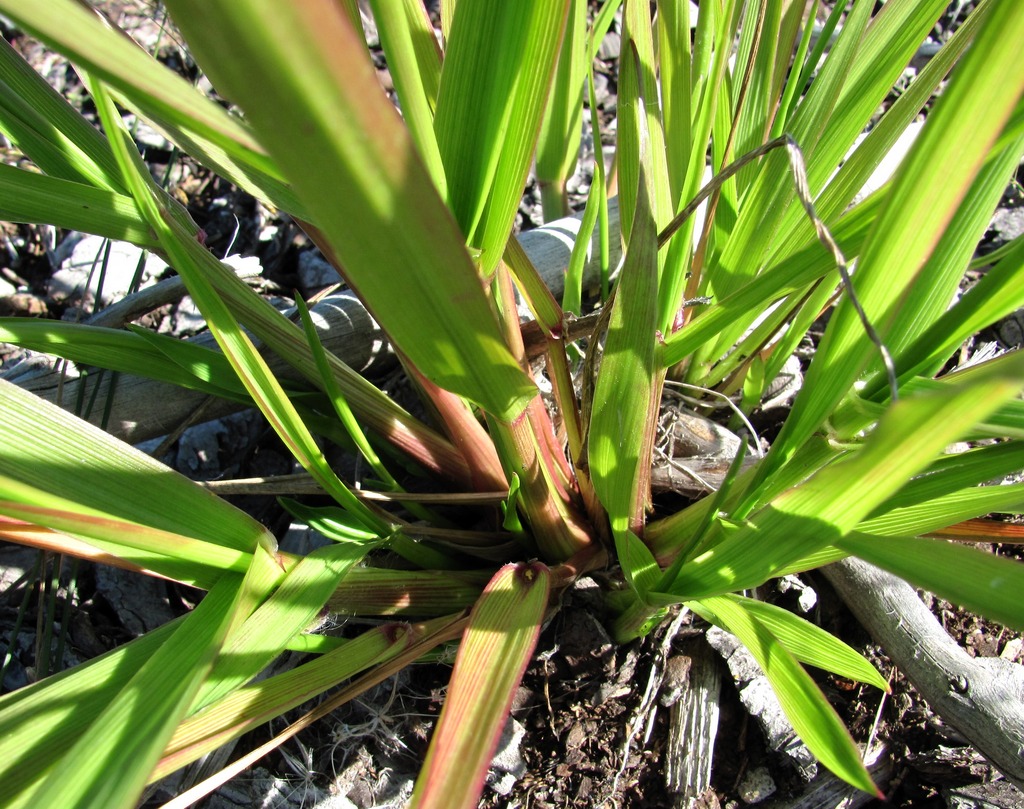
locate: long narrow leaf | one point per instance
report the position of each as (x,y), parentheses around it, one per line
(192,259)
(813,718)
(128,737)
(811,644)
(414,62)
(33,198)
(49,130)
(80,33)
(47,448)
(621,430)
(135,352)
(315,92)
(929,185)
(260,702)
(503,630)
(558,144)
(978,581)
(40,722)
(497,69)
(832,502)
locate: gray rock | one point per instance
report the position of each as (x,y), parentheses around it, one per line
(1008,223)
(79,275)
(757,785)
(508,765)
(993,795)
(315,272)
(610,46)
(140,601)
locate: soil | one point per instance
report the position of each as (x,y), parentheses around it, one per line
(590,723)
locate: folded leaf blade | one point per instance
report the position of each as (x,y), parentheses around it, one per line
(502,633)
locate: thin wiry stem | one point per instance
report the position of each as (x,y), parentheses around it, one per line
(803,192)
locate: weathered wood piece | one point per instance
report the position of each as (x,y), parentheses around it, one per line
(693,721)
(982,698)
(142,409)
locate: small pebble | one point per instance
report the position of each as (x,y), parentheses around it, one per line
(757,785)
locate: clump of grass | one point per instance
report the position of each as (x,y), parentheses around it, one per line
(416,212)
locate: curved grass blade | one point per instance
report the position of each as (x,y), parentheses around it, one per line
(810,644)
(49,130)
(926,191)
(315,92)
(833,501)
(558,143)
(135,352)
(980,582)
(49,449)
(81,34)
(167,553)
(58,709)
(289,610)
(256,704)
(32,198)
(813,718)
(128,737)
(498,643)
(195,264)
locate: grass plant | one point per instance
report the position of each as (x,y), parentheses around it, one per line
(416,212)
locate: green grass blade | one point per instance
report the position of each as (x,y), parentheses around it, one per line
(59,709)
(79,33)
(955,472)
(939,279)
(886,48)
(383,591)
(810,644)
(49,130)
(341,407)
(315,92)
(164,552)
(926,192)
(940,512)
(558,144)
(137,352)
(497,70)
(865,159)
(792,275)
(756,85)
(621,430)
(195,264)
(572,297)
(129,735)
(832,502)
(414,61)
(675,56)
(498,643)
(639,111)
(814,720)
(26,196)
(342,526)
(980,582)
(291,609)
(260,702)
(49,449)
(767,200)
(997,294)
